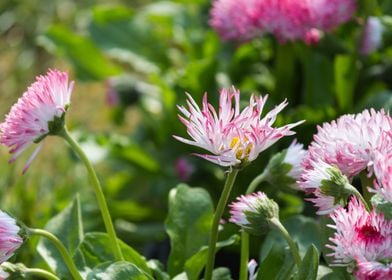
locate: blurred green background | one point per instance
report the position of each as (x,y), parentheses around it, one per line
(132,62)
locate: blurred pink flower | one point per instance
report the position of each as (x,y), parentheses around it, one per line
(372,36)
(10,241)
(287,19)
(184,169)
(360,237)
(234,138)
(3,274)
(112,98)
(36,114)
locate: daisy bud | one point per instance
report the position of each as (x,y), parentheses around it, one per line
(254,213)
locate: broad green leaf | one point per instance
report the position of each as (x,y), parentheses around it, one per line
(68,228)
(382,206)
(125,36)
(158,270)
(317,85)
(188,224)
(309,265)
(221,273)
(346,74)
(381,100)
(195,264)
(277,265)
(138,156)
(304,231)
(88,61)
(117,271)
(96,249)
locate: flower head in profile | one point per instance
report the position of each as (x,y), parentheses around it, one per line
(38,113)
(361,238)
(253,212)
(10,240)
(329,186)
(233,137)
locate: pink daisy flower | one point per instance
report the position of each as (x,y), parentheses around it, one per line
(373,271)
(38,113)
(233,137)
(352,143)
(10,240)
(360,237)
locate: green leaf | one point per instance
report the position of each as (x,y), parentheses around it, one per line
(317,85)
(295,226)
(66,226)
(88,61)
(158,270)
(96,249)
(221,273)
(382,205)
(125,37)
(309,265)
(117,271)
(188,224)
(346,74)
(195,264)
(277,265)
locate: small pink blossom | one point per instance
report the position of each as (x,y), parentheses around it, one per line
(184,169)
(372,36)
(29,120)
(252,264)
(10,240)
(360,236)
(3,274)
(233,137)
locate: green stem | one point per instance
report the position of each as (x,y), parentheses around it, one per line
(355,192)
(63,251)
(293,248)
(244,235)
(40,273)
(215,223)
(244,255)
(256,181)
(99,193)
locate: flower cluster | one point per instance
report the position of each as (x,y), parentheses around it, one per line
(353,144)
(234,137)
(38,113)
(286,19)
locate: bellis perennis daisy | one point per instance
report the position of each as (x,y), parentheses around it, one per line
(38,113)
(362,241)
(233,137)
(10,240)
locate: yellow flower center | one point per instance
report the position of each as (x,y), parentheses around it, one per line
(242,148)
